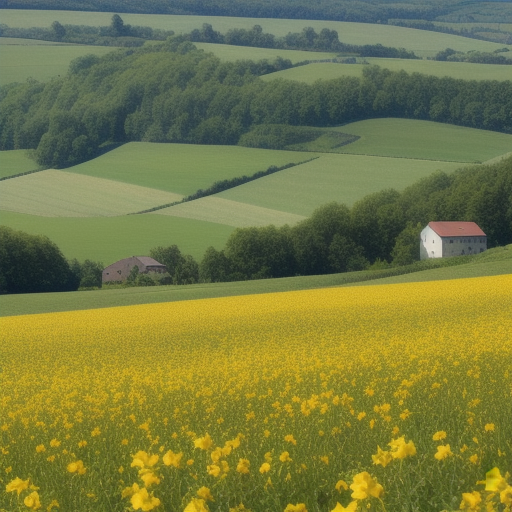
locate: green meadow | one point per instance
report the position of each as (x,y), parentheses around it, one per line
(15,162)
(411,138)
(310,73)
(422,42)
(494,262)
(108,239)
(183,168)
(332,177)
(41,62)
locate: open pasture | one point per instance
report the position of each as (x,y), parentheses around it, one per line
(41,62)
(230,213)
(15,162)
(422,42)
(310,73)
(53,193)
(332,177)
(368,397)
(108,239)
(233,53)
(183,168)
(412,138)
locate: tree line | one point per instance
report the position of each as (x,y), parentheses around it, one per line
(172,92)
(380,230)
(368,11)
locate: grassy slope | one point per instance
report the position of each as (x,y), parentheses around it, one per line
(183,168)
(328,71)
(494,262)
(409,138)
(424,43)
(15,162)
(108,239)
(41,62)
(332,177)
(53,193)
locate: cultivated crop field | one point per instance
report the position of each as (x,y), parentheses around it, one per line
(422,42)
(39,60)
(352,399)
(53,193)
(183,168)
(328,70)
(15,162)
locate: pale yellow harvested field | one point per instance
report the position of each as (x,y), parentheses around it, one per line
(230,213)
(53,193)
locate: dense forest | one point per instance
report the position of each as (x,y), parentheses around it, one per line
(367,11)
(171,92)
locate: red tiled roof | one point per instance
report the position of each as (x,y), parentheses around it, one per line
(456,229)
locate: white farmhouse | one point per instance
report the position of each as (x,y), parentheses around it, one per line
(444,239)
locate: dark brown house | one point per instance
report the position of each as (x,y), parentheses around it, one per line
(120,270)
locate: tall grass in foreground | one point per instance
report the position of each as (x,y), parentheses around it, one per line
(393,398)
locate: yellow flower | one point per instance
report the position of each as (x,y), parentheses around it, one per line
(77,467)
(205,494)
(141,500)
(268,457)
(203,442)
(494,482)
(53,504)
(141,460)
(213,470)
(352,507)
(300,507)
(290,439)
(341,484)
(82,444)
(489,427)
(439,436)
(54,443)
(243,466)
(400,449)
(17,485)
(382,457)
(473,459)
(32,501)
(172,459)
(471,501)
(364,486)
(360,416)
(130,491)
(285,457)
(443,452)
(325,459)
(506,496)
(196,505)
(96,432)
(265,468)
(40,448)
(148,477)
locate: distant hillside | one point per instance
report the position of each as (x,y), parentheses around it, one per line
(369,11)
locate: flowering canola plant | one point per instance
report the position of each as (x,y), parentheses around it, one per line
(395,398)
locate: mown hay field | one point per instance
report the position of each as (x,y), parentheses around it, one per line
(374,398)
(41,62)
(53,193)
(183,168)
(423,42)
(108,239)
(310,73)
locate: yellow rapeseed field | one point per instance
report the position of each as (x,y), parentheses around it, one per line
(395,398)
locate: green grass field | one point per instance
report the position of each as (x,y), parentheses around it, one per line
(53,193)
(15,162)
(494,262)
(230,213)
(108,239)
(183,168)
(40,61)
(423,43)
(410,138)
(332,177)
(310,73)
